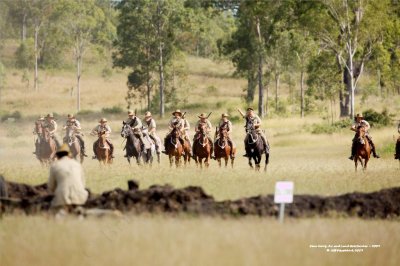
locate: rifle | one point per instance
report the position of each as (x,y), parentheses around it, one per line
(183,116)
(241,113)
(209,115)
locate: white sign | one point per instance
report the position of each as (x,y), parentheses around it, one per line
(283,192)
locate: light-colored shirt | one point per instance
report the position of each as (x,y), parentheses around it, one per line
(99,128)
(51,126)
(178,121)
(135,123)
(208,125)
(361,123)
(229,125)
(151,125)
(256,120)
(67,182)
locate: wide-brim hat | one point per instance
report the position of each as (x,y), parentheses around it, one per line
(130,112)
(63,149)
(358,116)
(103,120)
(50,115)
(70,116)
(202,115)
(225,115)
(147,114)
(177,111)
(41,118)
(249,109)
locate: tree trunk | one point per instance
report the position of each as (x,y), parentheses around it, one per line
(148,93)
(78,82)
(260,89)
(161,71)
(23,31)
(277,76)
(351,84)
(302,93)
(35,80)
(344,96)
(267,83)
(380,87)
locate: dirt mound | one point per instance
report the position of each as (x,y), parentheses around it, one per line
(193,200)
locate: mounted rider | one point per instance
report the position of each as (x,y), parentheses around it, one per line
(176,122)
(97,130)
(136,124)
(151,126)
(256,121)
(186,134)
(40,122)
(73,124)
(51,125)
(204,121)
(225,123)
(359,121)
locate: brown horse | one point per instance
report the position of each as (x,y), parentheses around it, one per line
(46,148)
(173,147)
(186,150)
(103,152)
(73,144)
(222,149)
(202,148)
(397,154)
(363,149)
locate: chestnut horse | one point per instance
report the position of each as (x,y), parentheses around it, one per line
(202,148)
(174,147)
(222,148)
(103,152)
(186,150)
(363,149)
(73,144)
(46,149)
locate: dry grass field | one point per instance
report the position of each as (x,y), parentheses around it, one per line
(317,164)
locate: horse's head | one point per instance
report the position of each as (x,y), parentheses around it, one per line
(360,134)
(202,127)
(176,133)
(223,130)
(250,129)
(126,130)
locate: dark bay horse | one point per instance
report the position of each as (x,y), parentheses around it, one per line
(222,149)
(103,150)
(255,147)
(202,148)
(174,148)
(363,148)
(73,144)
(46,149)
(397,154)
(186,150)
(133,146)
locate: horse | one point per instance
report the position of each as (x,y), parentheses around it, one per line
(254,147)
(174,148)
(222,148)
(46,149)
(362,148)
(133,146)
(103,151)
(186,150)
(73,144)
(397,154)
(202,148)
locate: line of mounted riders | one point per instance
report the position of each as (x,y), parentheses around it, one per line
(142,141)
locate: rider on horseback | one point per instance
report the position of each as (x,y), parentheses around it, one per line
(136,124)
(51,125)
(40,123)
(224,123)
(251,117)
(359,121)
(73,124)
(151,125)
(186,134)
(97,130)
(175,122)
(204,121)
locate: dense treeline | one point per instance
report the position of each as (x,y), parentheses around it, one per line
(318,49)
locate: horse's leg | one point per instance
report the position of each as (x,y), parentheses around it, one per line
(365,163)
(219,162)
(266,161)
(232,161)
(171,160)
(226,161)
(177,160)
(250,162)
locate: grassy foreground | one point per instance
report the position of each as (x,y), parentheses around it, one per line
(201,241)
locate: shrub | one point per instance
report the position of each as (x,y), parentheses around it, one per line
(15,115)
(330,129)
(378,119)
(113,110)
(85,112)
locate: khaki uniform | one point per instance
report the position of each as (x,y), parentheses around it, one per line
(67,182)
(51,126)
(136,124)
(229,131)
(175,122)
(256,120)
(96,130)
(76,125)
(151,127)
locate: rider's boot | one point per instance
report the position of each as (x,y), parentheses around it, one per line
(94,151)
(373,149)
(353,151)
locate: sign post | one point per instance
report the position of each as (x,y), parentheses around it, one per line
(283,194)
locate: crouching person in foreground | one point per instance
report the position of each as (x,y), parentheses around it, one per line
(66,180)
